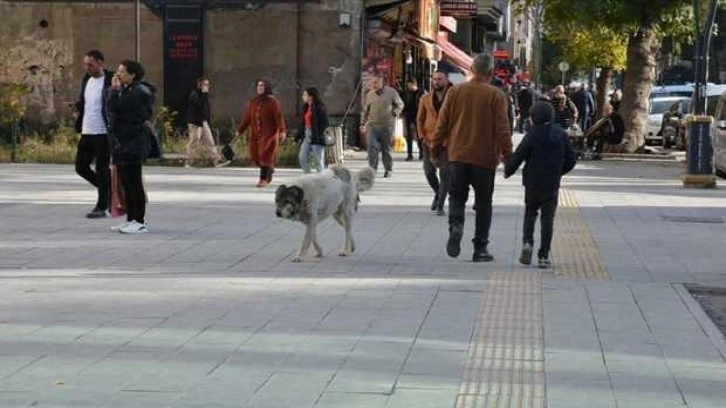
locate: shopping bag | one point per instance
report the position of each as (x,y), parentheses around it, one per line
(118,205)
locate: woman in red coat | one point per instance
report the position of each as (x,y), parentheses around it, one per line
(263,118)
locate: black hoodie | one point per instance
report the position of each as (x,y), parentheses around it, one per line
(546,151)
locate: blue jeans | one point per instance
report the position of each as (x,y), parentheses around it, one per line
(305,149)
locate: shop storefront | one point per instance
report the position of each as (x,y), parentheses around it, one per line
(400,42)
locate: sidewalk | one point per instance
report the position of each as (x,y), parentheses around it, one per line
(208,310)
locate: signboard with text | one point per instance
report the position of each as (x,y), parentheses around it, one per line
(462,9)
(183,56)
(428,19)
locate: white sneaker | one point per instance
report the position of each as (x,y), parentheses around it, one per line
(117,228)
(135,228)
(223,164)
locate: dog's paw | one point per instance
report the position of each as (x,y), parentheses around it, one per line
(296,259)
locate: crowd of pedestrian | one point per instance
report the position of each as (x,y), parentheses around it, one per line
(462,133)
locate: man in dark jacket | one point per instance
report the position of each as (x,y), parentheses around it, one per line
(411,97)
(548,155)
(92,124)
(199,114)
(585,104)
(610,129)
(525,100)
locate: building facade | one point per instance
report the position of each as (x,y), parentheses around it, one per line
(233,42)
(335,45)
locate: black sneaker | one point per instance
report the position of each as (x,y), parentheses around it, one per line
(387,174)
(544,263)
(440,212)
(453,247)
(435,203)
(525,258)
(482,255)
(98,213)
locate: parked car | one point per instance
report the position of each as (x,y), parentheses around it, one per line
(673,128)
(672,90)
(718,137)
(659,105)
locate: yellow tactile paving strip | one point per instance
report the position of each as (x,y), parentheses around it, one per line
(505,363)
(574,251)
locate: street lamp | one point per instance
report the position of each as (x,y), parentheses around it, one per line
(700,148)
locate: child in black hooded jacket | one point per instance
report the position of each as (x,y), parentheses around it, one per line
(548,155)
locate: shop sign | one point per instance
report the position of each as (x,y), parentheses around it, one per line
(463,9)
(448,23)
(428,19)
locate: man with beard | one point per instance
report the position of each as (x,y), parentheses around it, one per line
(428,114)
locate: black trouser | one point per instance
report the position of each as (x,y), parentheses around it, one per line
(596,140)
(134,194)
(462,176)
(440,187)
(410,125)
(92,147)
(546,202)
(523,124)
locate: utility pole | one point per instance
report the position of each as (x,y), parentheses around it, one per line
(137,30)
(698,128)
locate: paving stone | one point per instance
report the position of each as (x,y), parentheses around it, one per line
(210,310)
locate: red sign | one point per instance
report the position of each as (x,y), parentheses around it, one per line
(184,46)
(501,54)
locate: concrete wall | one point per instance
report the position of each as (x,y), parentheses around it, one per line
(49,59)
(240,46)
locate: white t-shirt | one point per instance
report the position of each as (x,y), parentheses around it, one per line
(93,123)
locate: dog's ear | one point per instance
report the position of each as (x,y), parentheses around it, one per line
(297,192)
(279,191)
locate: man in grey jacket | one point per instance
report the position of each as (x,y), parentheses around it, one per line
(381,108)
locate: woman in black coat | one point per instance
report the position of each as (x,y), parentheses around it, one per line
(311,135)
(130,106)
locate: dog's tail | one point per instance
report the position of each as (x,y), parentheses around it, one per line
(365,178)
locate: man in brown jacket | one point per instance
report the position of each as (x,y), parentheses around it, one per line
(428,113)
(474,127)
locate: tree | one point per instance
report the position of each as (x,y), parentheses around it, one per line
(643,23)
(592,47)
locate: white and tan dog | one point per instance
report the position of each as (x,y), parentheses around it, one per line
(312,198)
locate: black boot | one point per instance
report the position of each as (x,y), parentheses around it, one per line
(481,255)
(453,247)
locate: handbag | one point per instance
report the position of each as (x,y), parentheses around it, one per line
(329,136)
(118,203)
(155,146)
(227,152)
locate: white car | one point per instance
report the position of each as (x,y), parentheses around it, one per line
(658,106)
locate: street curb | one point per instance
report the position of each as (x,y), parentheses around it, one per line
(641,157)
(712,332)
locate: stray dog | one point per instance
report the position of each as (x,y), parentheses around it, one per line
(313,198)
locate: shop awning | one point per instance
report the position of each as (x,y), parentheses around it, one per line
(452,53)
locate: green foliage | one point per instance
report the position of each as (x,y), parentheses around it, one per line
(12,108)
(164,121)
(53,145)
(597,31)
